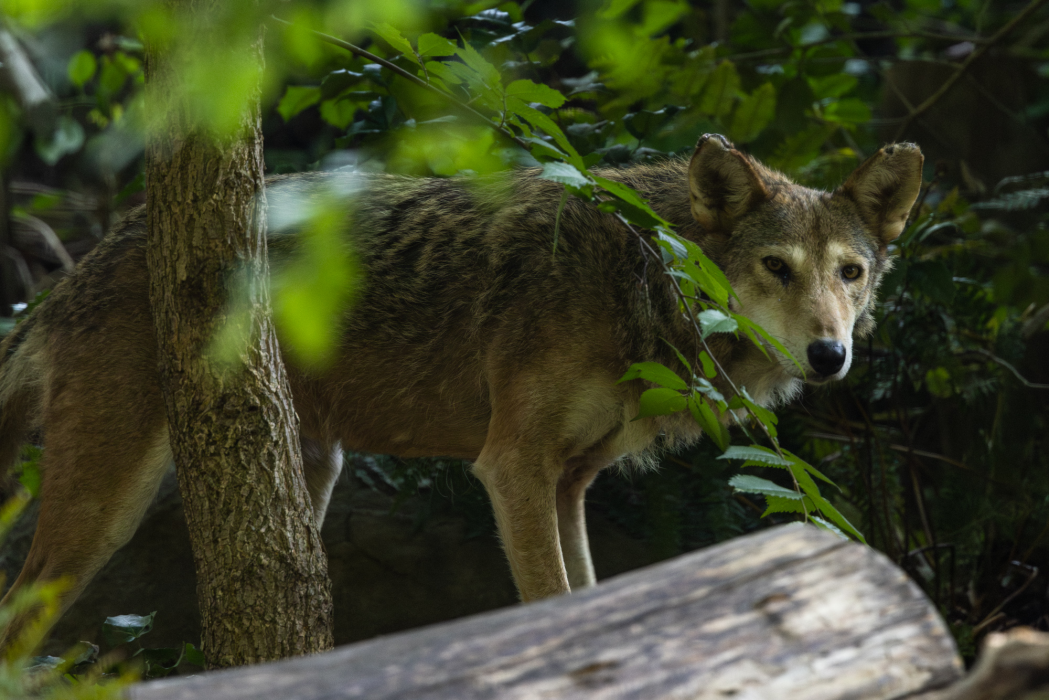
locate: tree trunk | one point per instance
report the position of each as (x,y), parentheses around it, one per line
(791,613)
(261,571)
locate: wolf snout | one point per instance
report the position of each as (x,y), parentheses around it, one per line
(826,357)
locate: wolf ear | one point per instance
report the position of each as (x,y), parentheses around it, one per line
(884,188)
(722,184)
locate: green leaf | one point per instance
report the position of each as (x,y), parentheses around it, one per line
(660,402)
(704,416)
(755,453)
(833,85)
(126,628)
(848,111)
(767,417)
(82,67)
(747,323)
(394,39)
(193,655)
(518,107)
(709,369)
(655,373)
(824,525)
(434,45)
(753,114)
(486,72)
(564,173)
(716,321)
(721,89)
(297,98)
(784,504)
(30,478)
(532,92)
(755,484)
(680,357)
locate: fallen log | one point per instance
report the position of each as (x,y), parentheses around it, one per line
(791,612)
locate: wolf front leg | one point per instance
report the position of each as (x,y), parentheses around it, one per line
(521,482)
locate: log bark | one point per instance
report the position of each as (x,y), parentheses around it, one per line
(261,572)
(788,613)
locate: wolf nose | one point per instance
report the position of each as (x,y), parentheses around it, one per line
(826,356)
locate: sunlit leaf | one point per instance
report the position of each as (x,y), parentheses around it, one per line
(121,629)
(565,174)
(660,402)
(434,45)
(655,373)
(747,483)
(715,321)
(82,67)
(533,92)
(754,453)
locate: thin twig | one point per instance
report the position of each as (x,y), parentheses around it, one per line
(858,36)
(975,55)
(1023,380)
(335,41)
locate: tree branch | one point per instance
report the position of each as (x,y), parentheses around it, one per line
(975,55)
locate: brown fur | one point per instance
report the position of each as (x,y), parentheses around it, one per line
(470,340)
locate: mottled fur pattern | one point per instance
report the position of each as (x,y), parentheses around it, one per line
(470,339)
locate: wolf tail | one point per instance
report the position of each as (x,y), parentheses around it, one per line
(20,390)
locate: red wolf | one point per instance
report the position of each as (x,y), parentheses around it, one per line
(470,340)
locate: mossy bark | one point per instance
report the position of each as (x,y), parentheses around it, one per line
(262,575)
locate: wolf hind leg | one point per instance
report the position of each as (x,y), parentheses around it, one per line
(321,464)
(97,484)
(571,521)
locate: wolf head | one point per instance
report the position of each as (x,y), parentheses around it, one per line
(805,264)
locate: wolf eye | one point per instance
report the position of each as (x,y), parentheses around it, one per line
(851,272)
(776,266)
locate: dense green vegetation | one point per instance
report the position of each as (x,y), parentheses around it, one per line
(938,439)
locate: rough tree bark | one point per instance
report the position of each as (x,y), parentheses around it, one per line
(261,571)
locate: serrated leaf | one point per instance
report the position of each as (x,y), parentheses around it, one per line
(435,45)
(486,72)
(564,173)
(721,89)
(297,98)
(630,196)
(660,402)
(537,119)
(753,114)
(782,504)
(746,323)
(121,629)
(755,453)
(655,373)
(394,39)
(748,483)
(533,92)
(82,67)
(715,321)
(680,357)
